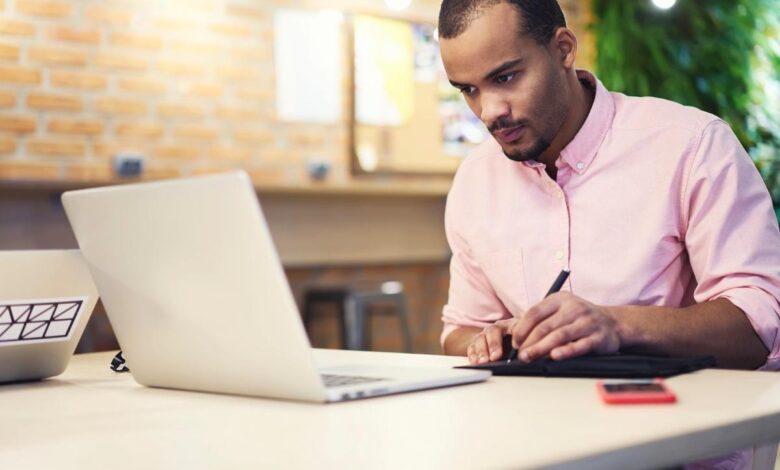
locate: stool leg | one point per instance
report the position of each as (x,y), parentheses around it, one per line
(342,319)
(361,311)
(308,306)
(404,320)
(367,340)
(354,322)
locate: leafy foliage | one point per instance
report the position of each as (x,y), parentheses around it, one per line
(721,56)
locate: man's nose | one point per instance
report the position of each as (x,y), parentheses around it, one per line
(494,107)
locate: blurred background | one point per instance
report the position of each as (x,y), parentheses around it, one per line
(341,114)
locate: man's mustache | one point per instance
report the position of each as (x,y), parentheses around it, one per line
(505,124)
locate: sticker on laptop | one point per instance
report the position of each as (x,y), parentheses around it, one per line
(40,320)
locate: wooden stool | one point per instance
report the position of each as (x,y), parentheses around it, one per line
(355,305)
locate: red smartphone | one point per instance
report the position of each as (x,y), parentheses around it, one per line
(623,392)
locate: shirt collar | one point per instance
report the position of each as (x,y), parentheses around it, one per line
(579,153)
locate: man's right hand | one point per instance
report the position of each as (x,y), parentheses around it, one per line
(487,345)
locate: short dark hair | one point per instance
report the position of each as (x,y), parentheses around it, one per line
(539,18)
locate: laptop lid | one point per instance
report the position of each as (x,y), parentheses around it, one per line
(193,287)
(46,299)
(196,293)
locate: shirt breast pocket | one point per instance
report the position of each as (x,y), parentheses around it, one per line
(504,271)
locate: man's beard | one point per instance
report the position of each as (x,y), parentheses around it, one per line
(539,146)
(536,150)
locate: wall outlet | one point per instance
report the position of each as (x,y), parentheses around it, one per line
(318,168)
(128,165)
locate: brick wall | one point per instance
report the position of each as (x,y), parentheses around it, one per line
(189,83)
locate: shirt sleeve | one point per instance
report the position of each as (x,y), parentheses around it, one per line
(732,234)
(472,300)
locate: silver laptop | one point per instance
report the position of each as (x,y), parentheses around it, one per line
(46,299)
(198,299)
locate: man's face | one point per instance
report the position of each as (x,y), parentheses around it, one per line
(511,82)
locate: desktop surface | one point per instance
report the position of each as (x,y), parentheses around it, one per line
(91,417)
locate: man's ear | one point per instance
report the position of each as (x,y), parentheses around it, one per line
(564,46)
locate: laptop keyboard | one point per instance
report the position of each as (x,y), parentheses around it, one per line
(332,380)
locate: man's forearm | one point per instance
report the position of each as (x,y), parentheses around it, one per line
(456,343)
(716,328)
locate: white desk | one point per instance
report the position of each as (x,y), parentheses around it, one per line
(91,417)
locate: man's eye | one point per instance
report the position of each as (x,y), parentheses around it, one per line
(505,77)
(467,90)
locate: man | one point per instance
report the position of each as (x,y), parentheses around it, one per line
(659,213)
(661,216)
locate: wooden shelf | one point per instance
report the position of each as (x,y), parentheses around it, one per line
(357,187)
(361,188)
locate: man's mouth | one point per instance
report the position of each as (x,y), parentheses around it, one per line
(509,135)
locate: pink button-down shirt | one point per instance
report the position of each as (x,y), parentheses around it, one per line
(655,204)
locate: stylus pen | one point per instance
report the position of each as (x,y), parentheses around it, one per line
(553,289)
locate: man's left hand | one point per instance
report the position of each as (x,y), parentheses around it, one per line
(564,326)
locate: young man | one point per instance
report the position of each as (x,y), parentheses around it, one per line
(661,216)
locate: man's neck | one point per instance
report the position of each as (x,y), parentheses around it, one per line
(583,95)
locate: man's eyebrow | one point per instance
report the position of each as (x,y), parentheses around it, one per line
(504,67)
(496,71)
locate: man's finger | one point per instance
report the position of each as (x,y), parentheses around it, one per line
(570,333)
(567,313)
(480,349)
(533,316)
(493,337)
(471,354)
(578,348)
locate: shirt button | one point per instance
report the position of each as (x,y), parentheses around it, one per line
(580,165)
(559,254)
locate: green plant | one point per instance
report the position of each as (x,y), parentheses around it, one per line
(764,118)
(721,56)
